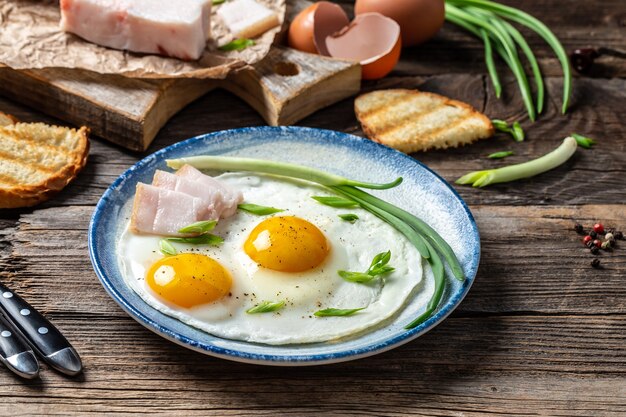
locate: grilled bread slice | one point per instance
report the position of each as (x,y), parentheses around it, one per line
(411,121)
(38,160)
(7,119)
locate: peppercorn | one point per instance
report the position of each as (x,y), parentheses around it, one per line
(606,245)
(587,239)
(598,228)
(598,243)
(618,235)
(593,234)
(609,236)
(595,263)
(578,228)
(590,244)
(594,249)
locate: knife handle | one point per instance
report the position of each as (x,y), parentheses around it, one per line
(15,353)
(43,337)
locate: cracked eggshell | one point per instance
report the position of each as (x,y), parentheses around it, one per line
(371,39)
(309,29)
(419,20)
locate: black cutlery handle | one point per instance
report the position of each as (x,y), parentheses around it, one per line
(15,353)
(44,338)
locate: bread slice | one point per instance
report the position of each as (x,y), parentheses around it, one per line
(411,121)
(38,160)
(7,119)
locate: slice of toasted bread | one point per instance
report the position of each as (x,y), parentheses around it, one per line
(7,119)
(411,121)
(38,160)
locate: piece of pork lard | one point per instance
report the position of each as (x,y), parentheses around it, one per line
(163,212)
(173,28)
(229,197)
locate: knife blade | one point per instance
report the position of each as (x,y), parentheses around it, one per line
(45,339)
(15,353)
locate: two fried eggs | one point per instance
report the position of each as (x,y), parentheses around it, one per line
(292,256)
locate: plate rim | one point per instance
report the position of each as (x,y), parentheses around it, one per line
(277,359)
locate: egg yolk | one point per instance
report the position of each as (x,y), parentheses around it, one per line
(287,244)
(189,279)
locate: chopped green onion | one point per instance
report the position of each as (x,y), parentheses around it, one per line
(349,217)
(500,155)
(199,227)
(206,239)
(226,163)
(336,202)
(377,268)
(583,141)
(517,132)
(501,125)
(167,248)
(237,45)
(266,307)
(527,169)
(258,210)
(337,312)
(216,2)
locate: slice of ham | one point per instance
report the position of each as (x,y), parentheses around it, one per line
(163,212)
(173,28)
(174,201)
(226,205)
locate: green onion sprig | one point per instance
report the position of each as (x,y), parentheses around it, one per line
(489,21)
(336,202)
(515,130)
(525,170)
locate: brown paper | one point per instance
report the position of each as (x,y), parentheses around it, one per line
(30,38)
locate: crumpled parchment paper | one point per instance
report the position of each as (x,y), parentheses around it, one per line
(30,38)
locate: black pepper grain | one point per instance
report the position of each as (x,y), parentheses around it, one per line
(595,263)
(578,228)
(593,234)
(594,249)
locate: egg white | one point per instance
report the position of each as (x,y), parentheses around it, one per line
(352,248)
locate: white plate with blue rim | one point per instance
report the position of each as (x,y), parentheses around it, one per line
(423,193)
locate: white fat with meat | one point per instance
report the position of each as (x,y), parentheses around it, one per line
(229,197)
(174,28)
(163,212)
(174,201)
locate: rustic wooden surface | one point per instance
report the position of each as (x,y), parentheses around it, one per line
(540,333)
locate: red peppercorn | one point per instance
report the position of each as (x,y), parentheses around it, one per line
(598,243)
(586,239)
(598,228)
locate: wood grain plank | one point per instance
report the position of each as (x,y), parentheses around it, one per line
(539,365)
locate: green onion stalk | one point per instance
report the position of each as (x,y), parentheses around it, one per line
(489,21)
(426,240)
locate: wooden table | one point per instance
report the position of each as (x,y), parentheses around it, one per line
(541,332)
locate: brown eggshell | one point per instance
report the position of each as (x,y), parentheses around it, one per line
(371,39)
(419,20)
(300,34)
(328,18)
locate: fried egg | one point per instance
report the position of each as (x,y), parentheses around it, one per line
(291,256)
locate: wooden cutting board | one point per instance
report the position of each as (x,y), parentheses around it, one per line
(284,88)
